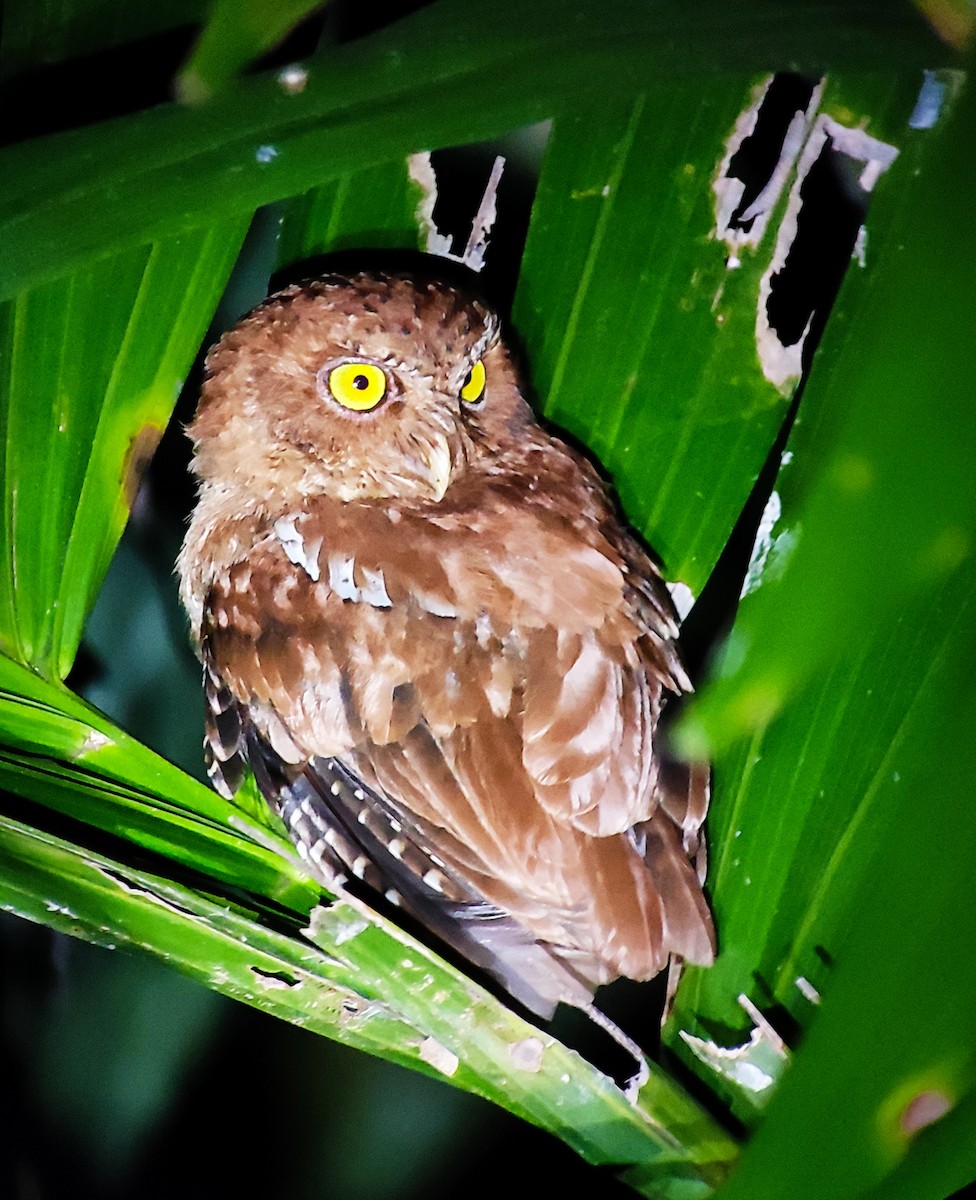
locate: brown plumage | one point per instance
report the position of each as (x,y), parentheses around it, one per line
(425,629)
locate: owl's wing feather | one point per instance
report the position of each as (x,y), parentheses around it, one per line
(347,827)
(224,750)
(344,829)
(476,802)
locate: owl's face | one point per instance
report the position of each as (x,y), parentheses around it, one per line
(366,388)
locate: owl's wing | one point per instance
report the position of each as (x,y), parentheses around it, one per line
(592,899)
(347,829)
(344,828)
(546,910)
(683,788)
(500,703)
(224,746)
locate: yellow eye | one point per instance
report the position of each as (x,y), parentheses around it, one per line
(473,387)
(357,385)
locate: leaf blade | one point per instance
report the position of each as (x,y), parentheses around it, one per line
(432,79)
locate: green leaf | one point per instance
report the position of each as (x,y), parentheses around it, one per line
(619,304)
(642,341)
(95,362)
(36,34)
(59,752)
(433,79)
(880,504)
(802,808)
(834,819)
(236,33)
(897,1035)
(366,983)
(374,208)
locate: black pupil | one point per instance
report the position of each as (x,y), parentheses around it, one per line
(360,383)
(467,381)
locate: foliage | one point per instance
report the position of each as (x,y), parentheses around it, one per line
(656,254)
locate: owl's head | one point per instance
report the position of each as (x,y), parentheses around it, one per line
(362,388)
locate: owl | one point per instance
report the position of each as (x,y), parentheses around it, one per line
(428,634)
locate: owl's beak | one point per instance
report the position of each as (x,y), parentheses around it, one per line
(438,462)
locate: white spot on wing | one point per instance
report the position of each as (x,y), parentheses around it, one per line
(342,580)
(482,629)
(341,576)
(435,605)
(373,591)
(294,547)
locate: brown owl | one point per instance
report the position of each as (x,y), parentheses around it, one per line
(425,629)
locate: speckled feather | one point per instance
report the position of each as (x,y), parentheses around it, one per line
(443,656)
